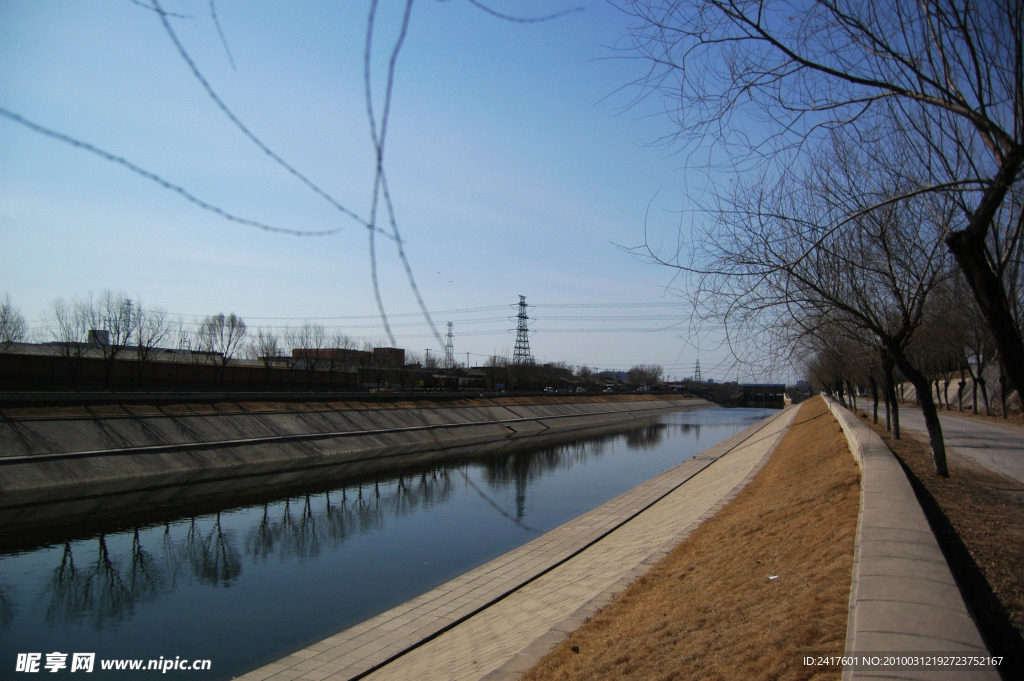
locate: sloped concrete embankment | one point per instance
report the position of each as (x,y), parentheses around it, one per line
(108,455)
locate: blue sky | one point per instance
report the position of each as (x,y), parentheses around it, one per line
(514,162)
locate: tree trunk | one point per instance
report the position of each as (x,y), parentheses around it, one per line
(931,415)
(874,397)
(839,393)
(892,414)
(888,411)
(1002,386)
(960,391)
(895,416)
(969,248)
(108,369)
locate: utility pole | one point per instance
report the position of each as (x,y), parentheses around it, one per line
(522,351)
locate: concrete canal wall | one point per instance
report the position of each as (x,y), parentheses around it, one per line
(46,457)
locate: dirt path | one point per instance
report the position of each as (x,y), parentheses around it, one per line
(752,590)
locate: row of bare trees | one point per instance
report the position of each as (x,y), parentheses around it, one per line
(13,328)
(876,196)
(644,376)
(954,348)
(119,327)
(111,322)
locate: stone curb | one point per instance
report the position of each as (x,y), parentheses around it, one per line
(903,598)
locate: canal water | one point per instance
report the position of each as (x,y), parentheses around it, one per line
(248,584)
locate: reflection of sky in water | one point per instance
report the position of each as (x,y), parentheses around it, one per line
(247,585)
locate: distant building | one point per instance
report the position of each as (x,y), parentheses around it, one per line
(389,357)
(763,395)
(333,357)
(99,337)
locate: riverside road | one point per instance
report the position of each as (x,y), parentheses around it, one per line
(995,446)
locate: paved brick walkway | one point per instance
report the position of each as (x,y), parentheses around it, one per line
(497,620)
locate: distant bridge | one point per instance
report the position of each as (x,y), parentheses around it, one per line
(763,395)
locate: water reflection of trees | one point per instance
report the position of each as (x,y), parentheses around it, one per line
(110,587)
(302,526)
(204,555)
(211,557)
(67,594)
(522,467)
(106,590)
(648,437)
(519,469)
(94,584)
(685,428)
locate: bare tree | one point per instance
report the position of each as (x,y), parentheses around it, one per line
(962,343)
(944,77)
(644,376)
(152,331)
(264,346)
(113,319)
(586,375)
(980,350)
(68,325)
(309,345)
(12,324)
(939,347)
(497,369)
(836,362)
(340,355)
(188,342)
(772,265)
(222,337)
